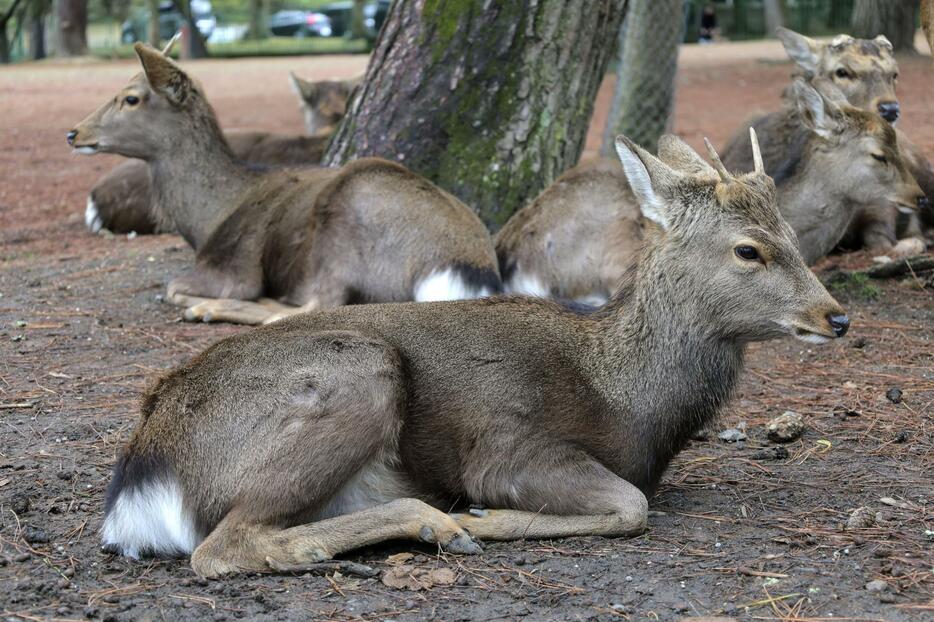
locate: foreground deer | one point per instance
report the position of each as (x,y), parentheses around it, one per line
(866,73)
(371,231)
(579,237)
(326,432)
(121,201)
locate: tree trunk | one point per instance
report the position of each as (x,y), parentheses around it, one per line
(645,81)
(37,37)
(773,16)
(259,19)
(491,101)
(196,46)
(72,28)
(357,28)
(155,39)
(893,18)
(5,16)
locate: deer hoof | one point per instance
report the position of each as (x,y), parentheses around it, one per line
(462,544)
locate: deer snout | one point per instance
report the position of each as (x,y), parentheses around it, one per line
(839,323)
(923,203)
(70,137)
(890,111)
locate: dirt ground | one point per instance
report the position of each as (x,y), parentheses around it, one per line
(748,529)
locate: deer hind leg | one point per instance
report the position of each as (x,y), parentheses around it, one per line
(237,311)
(573,495)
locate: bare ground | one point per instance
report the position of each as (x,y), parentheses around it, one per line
(744,529)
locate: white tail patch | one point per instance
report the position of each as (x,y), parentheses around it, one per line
(92,217)
(447,284)
(525,285)
(150,519)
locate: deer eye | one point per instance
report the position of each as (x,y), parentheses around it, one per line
(895,76)
(747,253)
(131,100)
(878,157)
(843,73)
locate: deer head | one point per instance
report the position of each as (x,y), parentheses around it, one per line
(722,240)
(864,70)
(856,151)
(323,103)
(150,115)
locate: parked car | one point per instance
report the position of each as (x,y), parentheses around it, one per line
(374,14)
(300,24)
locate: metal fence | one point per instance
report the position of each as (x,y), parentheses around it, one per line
(745,19)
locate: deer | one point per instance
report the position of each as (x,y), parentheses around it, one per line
(866,73)
(121,200)
(269,243)
(326,432)
(577,239)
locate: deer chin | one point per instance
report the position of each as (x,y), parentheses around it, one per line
(803,333)
(87,149)
(904,209)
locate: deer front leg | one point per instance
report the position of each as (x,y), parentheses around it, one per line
(573,496)
(237,311)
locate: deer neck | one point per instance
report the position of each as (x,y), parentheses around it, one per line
(667,372)
(197,185)
(816,209)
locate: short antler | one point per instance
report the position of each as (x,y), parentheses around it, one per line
(718,163)
(171,44)
(756,152)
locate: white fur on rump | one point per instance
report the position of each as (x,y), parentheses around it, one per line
(92,217)
(150,519)
(447,284)
(525,285)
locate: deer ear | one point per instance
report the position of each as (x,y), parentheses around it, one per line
(164,76)
(818,112)
(678,155)
(303,88)
(650,179)
(801,49)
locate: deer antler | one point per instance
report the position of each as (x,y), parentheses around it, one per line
(725,176)
(171,44)
(756,152)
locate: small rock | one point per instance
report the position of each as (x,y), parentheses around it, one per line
(731,435)
(786,427)
(35,535)
(887,597)
(22,557)
(849,384)
(859,343)
(901,437)
(860,518)
(65,475)
(771,453)
(20,503)
(894,395)
(877,586)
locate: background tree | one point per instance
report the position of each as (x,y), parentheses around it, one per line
(37,12)
(195,46)
(774,17)
(893,18)
(645,88)
(6,14)
(72,31)
(259,19)
(357,27)
(489,100)
(155,38)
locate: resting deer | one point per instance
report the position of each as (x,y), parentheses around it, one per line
(577,239)
(866,72)
(371,231)
(121,200)
(329,431)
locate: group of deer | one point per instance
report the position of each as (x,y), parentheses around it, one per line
(342,426)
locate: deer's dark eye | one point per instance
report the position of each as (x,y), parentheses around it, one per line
(747,253)
(131,100)
(880,158)
(843,73)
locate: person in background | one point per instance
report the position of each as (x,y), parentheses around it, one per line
(708,25)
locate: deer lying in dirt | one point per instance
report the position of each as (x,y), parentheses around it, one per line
(371,231)
(866,73)
(578,238)
(121,200)
(330,431)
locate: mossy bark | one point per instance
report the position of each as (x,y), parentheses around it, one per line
(490,100)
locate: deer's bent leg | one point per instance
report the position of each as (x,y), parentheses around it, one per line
(237,311)
(572,495)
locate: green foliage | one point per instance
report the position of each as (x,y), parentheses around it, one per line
(856,284)
(275,46)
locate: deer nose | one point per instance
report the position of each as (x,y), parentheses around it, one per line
(923,202)
(890,111)
(839,323)
(71,136)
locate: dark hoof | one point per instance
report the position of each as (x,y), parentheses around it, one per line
(462,544)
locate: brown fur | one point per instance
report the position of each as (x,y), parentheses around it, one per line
(371,231)
(566,241)
(121,200)
(866,73)
(300,440)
